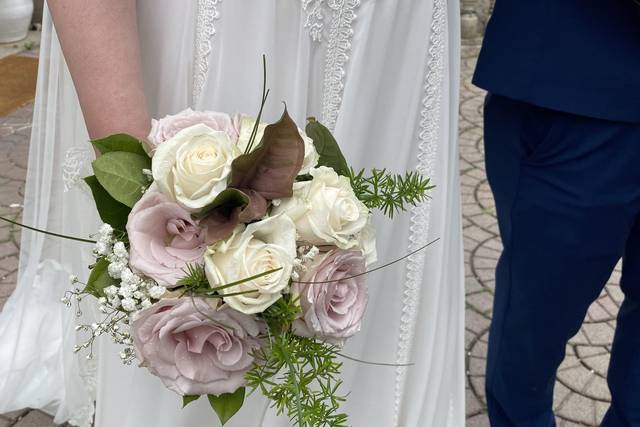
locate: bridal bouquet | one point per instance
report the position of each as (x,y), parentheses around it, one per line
(233,256)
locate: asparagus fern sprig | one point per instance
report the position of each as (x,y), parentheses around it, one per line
(195,279)
(301,376)
(390,193)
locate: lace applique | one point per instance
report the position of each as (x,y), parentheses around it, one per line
(420,216)
(337,56)
(83,417)
(75,167)
(314,21)
(205,30)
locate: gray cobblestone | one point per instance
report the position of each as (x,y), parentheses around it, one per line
(35,419)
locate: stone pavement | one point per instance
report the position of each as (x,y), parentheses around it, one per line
(581,392)
(581,396)
(14,144)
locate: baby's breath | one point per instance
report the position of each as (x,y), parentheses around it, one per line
(118,302)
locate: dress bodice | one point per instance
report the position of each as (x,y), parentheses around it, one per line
(308,44)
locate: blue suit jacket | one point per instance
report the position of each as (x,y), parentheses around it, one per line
(576,56)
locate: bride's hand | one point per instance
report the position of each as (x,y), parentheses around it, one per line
(100,43)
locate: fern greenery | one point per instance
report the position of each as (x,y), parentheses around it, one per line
(301,376)
(390,193)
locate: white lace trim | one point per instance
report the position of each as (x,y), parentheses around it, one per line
(75,167)
(205,30)
(314,20)
(420,215)
(83,417)
(337,56)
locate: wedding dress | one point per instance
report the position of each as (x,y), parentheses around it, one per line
(384,76)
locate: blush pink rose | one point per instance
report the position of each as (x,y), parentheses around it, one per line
(195,348)
(332,311)
(163,239)
(165,128)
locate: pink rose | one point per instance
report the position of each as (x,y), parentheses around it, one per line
(333,310)
(195,351)
(167,127)
(164,239)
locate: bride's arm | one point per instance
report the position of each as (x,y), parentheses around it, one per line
(100,42)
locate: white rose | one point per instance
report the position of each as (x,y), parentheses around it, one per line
(192,167)
(261,246)
(247,123)
(367,243)
(325,210)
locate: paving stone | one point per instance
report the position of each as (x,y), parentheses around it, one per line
(598,313)
(579,338)
(598,390)
(578,409)
(601,410)
(479,349)
(486,274)
(473,404)
(476,366)
(472,285)
(480,420)
(585,351)
(570,363)
(486,251)
(484,263)
(469,338)
(35,419)
(565,423)
(599,364)
(14,415)
(560,395)
(477,384)
(598,333)
(576,377)
(481,302)
(476,322)
(616,293)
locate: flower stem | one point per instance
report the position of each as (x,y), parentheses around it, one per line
(265,94)
(294,380)
(373,269)
(374,363)
(63,236)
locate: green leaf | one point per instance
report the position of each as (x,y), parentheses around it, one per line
(188,399)
(99,279)
(110,210)
(119,142)
(226,405)
(120,173)
(229,198)
(327,147)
